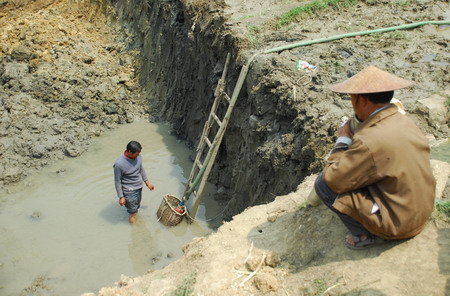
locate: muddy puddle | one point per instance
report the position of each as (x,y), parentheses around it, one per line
(62,231)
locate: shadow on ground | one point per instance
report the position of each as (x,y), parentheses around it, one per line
(310,237)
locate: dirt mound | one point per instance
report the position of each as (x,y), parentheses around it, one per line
(63,80)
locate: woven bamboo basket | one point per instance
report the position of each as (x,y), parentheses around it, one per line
(166,213)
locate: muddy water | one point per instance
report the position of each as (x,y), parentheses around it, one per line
(441,152)
(63,232)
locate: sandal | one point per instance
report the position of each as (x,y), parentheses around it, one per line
(363,244)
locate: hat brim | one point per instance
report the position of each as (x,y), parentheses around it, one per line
(371,80)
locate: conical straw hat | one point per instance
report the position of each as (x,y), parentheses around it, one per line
(371,80)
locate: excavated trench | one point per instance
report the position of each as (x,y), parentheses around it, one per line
(267,148)
(284,121)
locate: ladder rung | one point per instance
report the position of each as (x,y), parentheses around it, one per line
(199,164)
(217,119)
(207,141)
(226,97)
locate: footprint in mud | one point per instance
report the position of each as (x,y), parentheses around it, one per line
(156,258)
(36,215)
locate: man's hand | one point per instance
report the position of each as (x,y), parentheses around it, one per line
(345,131)
(149,185)
(122,201)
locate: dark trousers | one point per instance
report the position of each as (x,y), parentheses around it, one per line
(328,197)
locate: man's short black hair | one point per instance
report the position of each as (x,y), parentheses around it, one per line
(134,147)
(381,97)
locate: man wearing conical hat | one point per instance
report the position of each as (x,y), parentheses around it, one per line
(378,178)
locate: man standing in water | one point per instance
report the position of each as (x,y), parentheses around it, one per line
(128,177)
(378,179)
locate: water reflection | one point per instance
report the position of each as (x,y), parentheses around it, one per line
(142,249)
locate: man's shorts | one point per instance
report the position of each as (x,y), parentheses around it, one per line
(133,200)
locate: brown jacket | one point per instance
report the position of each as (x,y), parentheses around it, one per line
(387,163)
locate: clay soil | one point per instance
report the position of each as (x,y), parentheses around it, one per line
(285,247)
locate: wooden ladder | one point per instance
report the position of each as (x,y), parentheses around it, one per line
(203,164)
(207,149)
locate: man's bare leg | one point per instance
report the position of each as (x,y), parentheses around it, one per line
(132,218)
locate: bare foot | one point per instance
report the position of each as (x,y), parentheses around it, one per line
(349,239)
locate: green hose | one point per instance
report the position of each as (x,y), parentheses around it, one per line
(332,38)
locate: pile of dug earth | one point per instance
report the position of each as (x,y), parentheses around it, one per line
(63,80)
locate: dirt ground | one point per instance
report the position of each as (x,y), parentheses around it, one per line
(285,247)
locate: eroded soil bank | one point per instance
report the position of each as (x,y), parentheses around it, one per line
(64,78)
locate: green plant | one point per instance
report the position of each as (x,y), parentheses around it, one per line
(303,205)
(186,287)
(320,286)
(252,34)
(443,207)
(310,8)
(253,29)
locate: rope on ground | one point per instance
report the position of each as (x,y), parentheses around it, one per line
(254,272)
(249,253)
(330,288)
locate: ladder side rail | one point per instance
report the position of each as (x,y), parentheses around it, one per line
(201,187)
(221,84)
(216,143)
(193,171)
(207,127)
(217,95)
